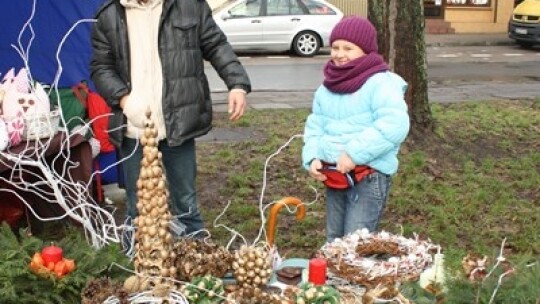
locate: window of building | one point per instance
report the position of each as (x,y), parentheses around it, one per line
(433,8)
(473,3)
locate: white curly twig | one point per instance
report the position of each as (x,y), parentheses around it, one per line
(49,179)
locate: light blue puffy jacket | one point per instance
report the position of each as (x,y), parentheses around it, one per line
(369,124)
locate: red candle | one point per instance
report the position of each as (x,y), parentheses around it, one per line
(51,253)
(317,271)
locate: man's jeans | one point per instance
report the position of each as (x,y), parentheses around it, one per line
(358,207)
(180,167)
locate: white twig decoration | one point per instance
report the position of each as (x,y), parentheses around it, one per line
(500,259)
(31,172)
(262,206)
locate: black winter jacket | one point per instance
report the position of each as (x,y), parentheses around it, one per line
(187,36)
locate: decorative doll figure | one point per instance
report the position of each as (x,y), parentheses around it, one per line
(8,79)
(20,81)
(29,104)
(17,100)
(4,137)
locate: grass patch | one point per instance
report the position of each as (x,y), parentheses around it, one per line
(472,183)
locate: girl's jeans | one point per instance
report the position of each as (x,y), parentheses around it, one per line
(180,167)
(358,207)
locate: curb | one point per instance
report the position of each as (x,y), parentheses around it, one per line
(471,43)
(453,40)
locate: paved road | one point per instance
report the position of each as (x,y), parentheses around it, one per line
(455,73)
(302,76)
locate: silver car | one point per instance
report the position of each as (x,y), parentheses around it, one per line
(302,26)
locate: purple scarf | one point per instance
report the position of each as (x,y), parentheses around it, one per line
(350,77)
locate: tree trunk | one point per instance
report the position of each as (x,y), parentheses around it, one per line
(400,25)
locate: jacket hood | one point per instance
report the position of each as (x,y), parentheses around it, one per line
(140,4)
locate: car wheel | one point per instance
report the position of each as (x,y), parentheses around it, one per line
(306,44)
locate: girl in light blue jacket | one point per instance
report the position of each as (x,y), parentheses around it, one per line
(358,122)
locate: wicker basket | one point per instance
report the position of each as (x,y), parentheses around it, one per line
(41,126)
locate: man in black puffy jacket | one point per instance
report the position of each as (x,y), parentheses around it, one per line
(148,55)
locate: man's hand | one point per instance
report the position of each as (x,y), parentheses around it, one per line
(123,101)
(237,103)
(314,172)
(345,163)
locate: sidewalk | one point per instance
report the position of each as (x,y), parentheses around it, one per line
(468,39)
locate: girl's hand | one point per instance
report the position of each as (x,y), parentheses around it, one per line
(314,172)
(345,163)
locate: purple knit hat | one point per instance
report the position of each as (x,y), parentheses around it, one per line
(357,30)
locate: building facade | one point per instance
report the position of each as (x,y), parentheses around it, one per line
(451,16)
(352,7)
(467,16)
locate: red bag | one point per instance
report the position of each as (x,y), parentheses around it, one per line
(98,111)
(338,180)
